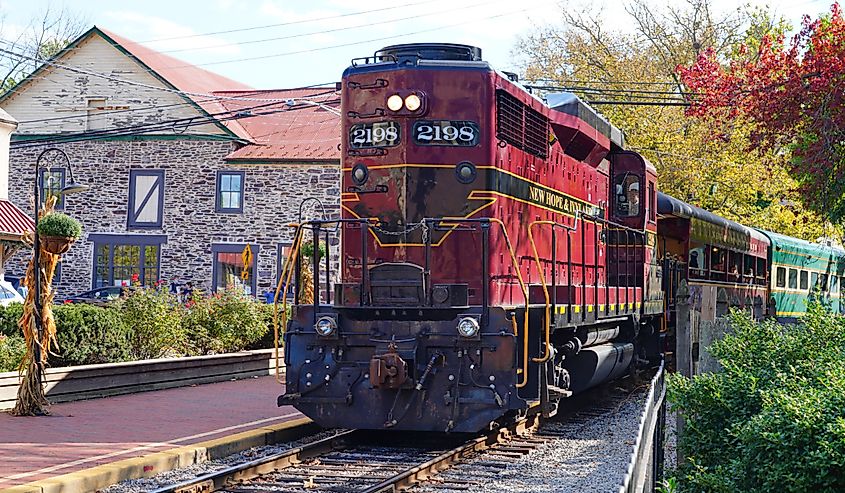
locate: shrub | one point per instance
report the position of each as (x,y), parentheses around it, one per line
(59,224)
(9,316)
(771,420)
(12,350)
(90,334)
(155,321)
(227,321)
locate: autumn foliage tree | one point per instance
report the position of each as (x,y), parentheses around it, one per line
(792,93)
(726,175)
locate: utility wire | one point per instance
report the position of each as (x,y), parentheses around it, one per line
(338,29)
(172,125)
(158,88)
(61,119)
(366,41)
(291,23)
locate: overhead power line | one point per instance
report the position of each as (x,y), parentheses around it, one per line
(291,23)
(335,30)
(170,125)
(366,41)
(210,97)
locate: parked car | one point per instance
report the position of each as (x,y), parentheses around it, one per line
(8,295)
(99,296)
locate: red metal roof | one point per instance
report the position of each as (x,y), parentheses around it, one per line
(185,77)
(13,221)
(288,130)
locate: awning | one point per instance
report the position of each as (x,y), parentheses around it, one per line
(13,221)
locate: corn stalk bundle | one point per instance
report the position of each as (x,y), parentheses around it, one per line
(31,400)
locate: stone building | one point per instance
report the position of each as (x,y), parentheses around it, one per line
(186,167)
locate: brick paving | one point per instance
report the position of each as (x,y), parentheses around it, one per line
(84,434)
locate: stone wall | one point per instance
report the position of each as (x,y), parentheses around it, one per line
(272,195)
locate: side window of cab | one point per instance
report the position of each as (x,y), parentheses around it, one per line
(627,191)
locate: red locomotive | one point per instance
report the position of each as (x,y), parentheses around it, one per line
(496,251)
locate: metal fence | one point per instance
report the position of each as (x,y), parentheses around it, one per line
(646,466)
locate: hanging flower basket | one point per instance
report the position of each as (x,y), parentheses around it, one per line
(56,244)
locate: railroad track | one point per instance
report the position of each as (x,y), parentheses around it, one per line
(373,461)
(359,461)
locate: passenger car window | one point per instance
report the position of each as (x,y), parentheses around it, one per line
(814,280)
(780,277)
(834,284)
(804,285)
(793,278)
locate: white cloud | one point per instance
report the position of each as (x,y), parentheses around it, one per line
(142,27)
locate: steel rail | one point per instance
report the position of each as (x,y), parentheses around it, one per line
(227,477)
(426,470)
(222,478)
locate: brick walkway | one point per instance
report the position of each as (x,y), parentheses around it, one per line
(84,434)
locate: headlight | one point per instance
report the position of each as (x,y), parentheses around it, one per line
(413,102)
(394,102)
(325,326)
(468,327)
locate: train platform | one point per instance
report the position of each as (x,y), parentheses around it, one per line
(86,445)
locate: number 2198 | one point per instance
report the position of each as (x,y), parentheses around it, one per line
(446,133)
(378,134)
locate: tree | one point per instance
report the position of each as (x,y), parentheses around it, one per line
(792,92)
(721,175)
(45,35)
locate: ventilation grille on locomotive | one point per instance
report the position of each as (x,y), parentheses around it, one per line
(521,126)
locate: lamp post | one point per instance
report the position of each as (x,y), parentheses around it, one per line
(70,188)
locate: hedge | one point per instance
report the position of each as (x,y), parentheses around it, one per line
(147,324)
(772,420)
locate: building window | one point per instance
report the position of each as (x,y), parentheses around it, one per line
(57,275)
(234,267)
(230,191)
(146,198)
(123,260)
(52,183)
(96,115)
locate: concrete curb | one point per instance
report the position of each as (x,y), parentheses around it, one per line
(92,479)
(92,381)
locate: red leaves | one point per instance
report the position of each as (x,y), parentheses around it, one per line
(792,92)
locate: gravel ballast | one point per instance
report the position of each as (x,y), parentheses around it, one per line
(587,452)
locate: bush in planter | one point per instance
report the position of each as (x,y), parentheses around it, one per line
(227,321)
(90,334)
(9,316)
(155,320)
(59,225)
(12,349)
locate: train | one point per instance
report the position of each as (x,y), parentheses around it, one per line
(501,252)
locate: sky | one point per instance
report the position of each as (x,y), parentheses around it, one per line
(294,43)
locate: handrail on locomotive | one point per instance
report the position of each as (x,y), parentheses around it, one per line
(551,301)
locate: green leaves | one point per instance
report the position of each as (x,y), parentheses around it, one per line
(59,224)
(772,420)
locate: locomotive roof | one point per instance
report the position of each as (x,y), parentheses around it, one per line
(569,103)
(670,206)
